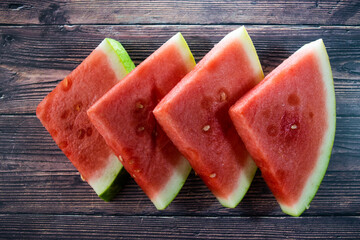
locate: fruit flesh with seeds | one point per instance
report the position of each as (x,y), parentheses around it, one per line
(195,116)
(63,114)
(124,118)
(287,123)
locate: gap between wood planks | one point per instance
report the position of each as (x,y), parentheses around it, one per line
(181,24)
(114,215)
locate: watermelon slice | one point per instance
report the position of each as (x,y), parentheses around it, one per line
(195,116)
(287,123)
(124,117)
(63,114)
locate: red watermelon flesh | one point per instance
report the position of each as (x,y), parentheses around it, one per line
(124,118)
(63,113)
(195,116)
(287,123)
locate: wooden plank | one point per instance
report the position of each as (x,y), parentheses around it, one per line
(64,46)
(22,88)
(180,12)
(36,176)
(35,58)
(60,190)
(35,172)
(142,227)
(41,193)
(24,135)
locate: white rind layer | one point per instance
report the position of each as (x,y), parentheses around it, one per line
(173,186)
(249,48)
(248,172)
(103,179)
(184,50)
(182,170)
(318,173)
(246,176)
(107,175)
(114,59)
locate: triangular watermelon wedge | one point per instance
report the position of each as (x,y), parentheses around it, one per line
(124,118)
(195,116)
(63,114)
(287,123)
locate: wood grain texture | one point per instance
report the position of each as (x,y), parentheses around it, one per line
(37,178)
(181,12)
(24,135)
(142,227)
(42,195)
(35,58)
(32,185)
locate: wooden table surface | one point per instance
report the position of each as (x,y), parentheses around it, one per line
(41,193)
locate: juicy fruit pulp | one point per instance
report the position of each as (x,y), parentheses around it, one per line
(124,117)
(287,123)
(63,113)
(195,116)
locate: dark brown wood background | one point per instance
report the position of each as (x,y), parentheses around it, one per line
(41,193)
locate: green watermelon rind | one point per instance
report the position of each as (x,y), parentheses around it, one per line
(318,174)
(115,186)
(122,54)
(184,50)
(111,181)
